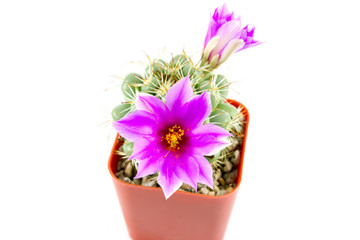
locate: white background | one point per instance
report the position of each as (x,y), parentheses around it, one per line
(301,171)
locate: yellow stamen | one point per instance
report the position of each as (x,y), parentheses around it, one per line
(174,136)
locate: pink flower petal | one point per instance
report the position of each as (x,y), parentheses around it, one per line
(205,171)
(152,105)
(138,124)
(212,29)
(187,170)
(248,37)
(143,148)
(167,178)
(149,103)
(147,167)
(208,139)
(179,94)
(227,32)
(197,110)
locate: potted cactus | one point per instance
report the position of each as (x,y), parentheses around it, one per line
(177,160)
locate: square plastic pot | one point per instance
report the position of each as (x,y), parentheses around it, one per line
(184,216)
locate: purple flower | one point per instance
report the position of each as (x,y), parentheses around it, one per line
(169,137)
(225,36)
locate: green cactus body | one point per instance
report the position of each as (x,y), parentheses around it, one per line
(220,118)
(227,107)
(158,68)
(216,84)
(128,148)
(131,85)
(120,111)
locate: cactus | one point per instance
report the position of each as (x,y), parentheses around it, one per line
(160,75)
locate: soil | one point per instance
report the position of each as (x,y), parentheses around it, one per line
(225,172)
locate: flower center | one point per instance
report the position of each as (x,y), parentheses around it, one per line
(174,136)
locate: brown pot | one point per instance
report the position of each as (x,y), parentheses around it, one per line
(184,216)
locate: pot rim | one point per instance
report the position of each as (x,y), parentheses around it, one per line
(240,167)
